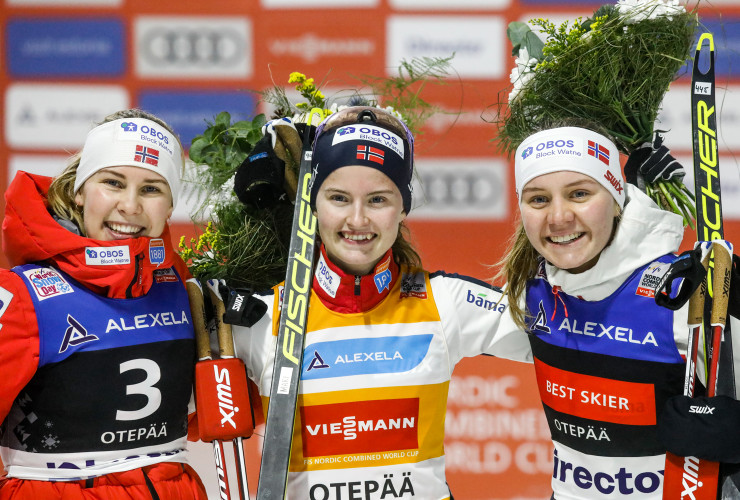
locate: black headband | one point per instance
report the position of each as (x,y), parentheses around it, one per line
(367,145)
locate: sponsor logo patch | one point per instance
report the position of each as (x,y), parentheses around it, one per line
(360,427)
(383,275)
(362,356)
(156,251)
(596,398)
(165,275)
(107,256)
(327,279)
(414,285)
(47,282)
(370,133)
(650,279)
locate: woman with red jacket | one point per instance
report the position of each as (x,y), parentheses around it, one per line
(96,339)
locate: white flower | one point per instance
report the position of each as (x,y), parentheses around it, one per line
(634,11)
(522,72)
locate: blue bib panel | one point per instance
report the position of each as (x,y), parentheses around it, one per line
(114,374)
(605,368)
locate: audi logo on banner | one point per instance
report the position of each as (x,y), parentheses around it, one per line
(197,47)
(461,188)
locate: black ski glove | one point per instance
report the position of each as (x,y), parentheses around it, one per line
(707,428)
(259,179)
(652,162)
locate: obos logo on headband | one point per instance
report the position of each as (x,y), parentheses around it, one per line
(370,133)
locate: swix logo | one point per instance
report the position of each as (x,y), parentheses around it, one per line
(614,182)
(705,410)
(238,301)
(225,401)
(75,335)
(690,479)
(316,362)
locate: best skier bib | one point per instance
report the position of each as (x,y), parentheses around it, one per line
(604,369)
(113,382)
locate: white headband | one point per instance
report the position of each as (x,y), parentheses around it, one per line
(572,149)
(135,142)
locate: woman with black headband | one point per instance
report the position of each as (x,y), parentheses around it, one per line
(383,335)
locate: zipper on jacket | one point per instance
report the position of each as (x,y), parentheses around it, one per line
(137,266)
(358,280)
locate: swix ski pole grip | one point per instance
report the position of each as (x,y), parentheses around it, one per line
(281,413)
(718,318)
(203,347)
(221,390)
(240,414)
(198,313)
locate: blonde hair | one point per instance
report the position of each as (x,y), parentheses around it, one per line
(521,261)
(61,196)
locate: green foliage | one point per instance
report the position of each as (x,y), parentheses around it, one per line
(611,70)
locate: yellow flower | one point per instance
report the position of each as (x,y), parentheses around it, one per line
(296,77)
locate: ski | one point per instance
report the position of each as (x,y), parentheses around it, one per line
(281,412)
(691,477)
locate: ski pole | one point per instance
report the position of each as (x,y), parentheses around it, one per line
(221,393)
(718,319)
(226,348)
(203,349)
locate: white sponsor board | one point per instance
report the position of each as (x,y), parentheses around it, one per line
(461,188)
(57,116)
(476,42)
(193,47)
(318,4)
(447,5)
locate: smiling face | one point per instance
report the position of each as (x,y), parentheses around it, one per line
(359,210)
(568,218)
(124,202)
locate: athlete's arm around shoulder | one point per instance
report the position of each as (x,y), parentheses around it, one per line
(19,339)
(476,320)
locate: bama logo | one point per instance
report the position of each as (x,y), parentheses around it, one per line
(621,483)
(47,283)
(481,300)
(360,427)
(363,356)
(107,256)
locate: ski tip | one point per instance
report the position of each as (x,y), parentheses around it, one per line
(709,38)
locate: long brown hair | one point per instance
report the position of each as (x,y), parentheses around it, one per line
(61,196)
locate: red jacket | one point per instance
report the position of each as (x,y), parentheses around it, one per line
(30,234)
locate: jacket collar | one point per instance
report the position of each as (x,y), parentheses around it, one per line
(117,269)
(346,293)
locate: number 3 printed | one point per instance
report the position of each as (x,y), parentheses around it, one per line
(146,388)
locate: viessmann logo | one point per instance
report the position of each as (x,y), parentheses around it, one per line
(360,427)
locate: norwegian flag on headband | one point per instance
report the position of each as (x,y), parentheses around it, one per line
(598,151)
(370,153)
(146,154)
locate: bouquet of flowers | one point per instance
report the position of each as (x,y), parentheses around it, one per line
(247,246)
(612,70)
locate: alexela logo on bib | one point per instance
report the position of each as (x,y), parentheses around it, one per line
(107,256)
